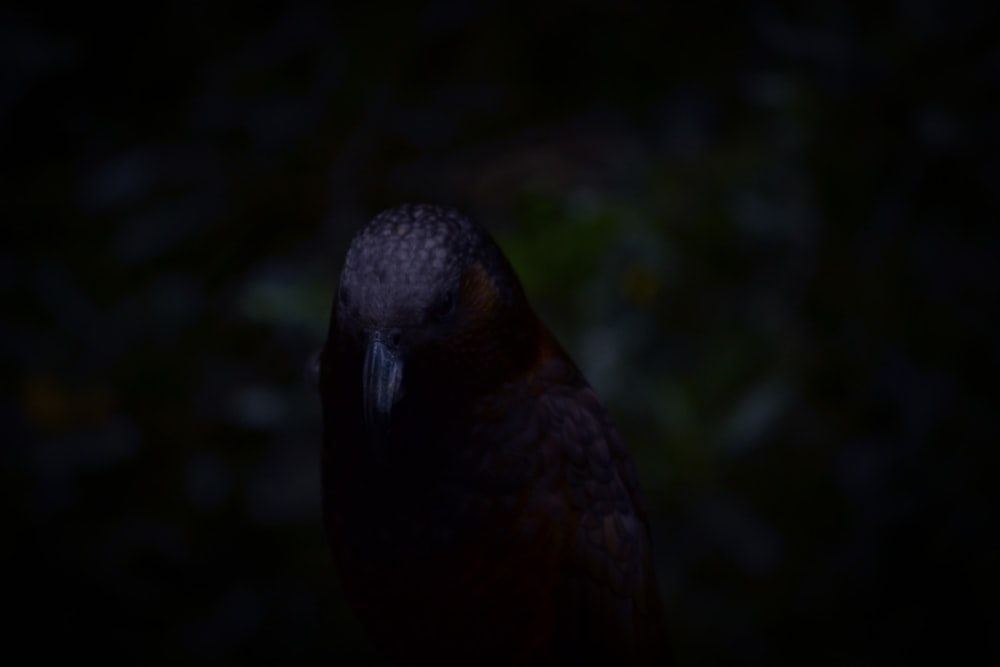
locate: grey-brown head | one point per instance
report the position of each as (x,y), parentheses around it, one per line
(426,296)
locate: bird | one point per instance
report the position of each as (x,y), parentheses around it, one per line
(478,500)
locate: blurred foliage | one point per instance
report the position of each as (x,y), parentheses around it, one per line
(768,236)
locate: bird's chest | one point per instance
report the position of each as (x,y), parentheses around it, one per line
(418,514)
(433,559)
(444,486)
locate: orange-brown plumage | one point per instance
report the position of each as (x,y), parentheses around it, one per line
(479,502)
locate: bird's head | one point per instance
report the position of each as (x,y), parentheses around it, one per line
(428,303)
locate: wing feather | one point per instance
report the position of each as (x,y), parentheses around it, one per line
(607,593)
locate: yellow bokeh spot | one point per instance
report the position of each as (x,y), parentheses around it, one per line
(639,284)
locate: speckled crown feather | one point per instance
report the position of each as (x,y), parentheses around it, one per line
(398,262)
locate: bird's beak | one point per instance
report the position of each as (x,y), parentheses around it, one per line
(383,375)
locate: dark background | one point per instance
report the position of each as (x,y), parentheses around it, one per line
(767,233)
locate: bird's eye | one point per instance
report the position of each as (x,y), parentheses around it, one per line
(445,306)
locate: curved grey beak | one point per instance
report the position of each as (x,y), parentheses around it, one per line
(381,384)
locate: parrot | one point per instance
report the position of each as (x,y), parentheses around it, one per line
(478,500)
